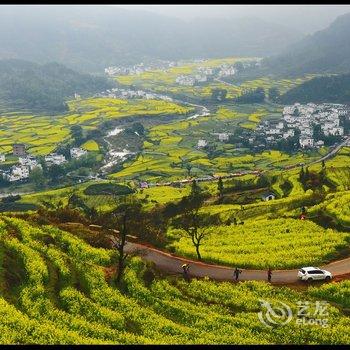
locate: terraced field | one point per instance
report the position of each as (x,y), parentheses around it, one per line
(279,244)
(57,289)
(170,151)
(165,81)
(42,133)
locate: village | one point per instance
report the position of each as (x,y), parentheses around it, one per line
(301,120)
(27,163)
(205,74)
(127,94)
(308,125)
(139,68)
(202,74)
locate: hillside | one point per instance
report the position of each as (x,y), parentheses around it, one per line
(332,89)
(91,38)
(326,51)
(56,288)
(27,85)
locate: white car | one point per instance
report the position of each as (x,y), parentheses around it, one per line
(314,274)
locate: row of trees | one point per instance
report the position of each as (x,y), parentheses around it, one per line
(251,96)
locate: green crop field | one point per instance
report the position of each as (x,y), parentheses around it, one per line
(165,81)
(171,148)
(42,133)
(62,295)
(279,244)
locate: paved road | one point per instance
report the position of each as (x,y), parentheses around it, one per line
(171,264)
(332,152)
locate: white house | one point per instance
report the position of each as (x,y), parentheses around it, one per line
(77,152)
(29,161)
(268,197)
(202,143)
(223,136)
(185,80)
(306,142)
(227,71)
(200,78)
(54,158)
(288,133)
(18,173)
(2,158)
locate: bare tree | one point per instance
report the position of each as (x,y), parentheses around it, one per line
(125,219)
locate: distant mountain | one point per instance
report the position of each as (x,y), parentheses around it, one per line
(90,38)
(27,85)
(326,51)
(333,89)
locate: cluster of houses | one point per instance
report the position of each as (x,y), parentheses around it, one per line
(204,74)
(222,137)
(226,70)
(27,163)
(190,80)
(131,94)
(297,121)
(304,118)
(138,68)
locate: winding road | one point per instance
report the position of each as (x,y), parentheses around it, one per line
(172,264)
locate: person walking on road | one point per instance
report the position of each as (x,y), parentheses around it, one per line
(236,273)
(185,268)
(269,274)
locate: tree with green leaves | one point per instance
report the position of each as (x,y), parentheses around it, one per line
(220,188)
(77,134)
(37,177)
(218,94)
(302,175)
(307,174)
(189,168)
(274,94)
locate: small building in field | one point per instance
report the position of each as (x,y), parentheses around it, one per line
(223,136)
(19,149)
(268,196)
(202,143)
(2,158)
(144,184)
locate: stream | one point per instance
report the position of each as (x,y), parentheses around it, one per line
(114,157)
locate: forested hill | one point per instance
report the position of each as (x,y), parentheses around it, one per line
(326,51)
(333,89)
(27,85)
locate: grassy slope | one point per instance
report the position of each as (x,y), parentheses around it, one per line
(61,301)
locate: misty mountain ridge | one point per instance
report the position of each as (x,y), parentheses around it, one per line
(92,38)
(326,51)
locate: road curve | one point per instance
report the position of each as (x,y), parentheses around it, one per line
(171,264)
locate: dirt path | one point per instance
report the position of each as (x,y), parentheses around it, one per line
(171,264)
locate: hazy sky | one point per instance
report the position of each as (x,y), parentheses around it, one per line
(305,18)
